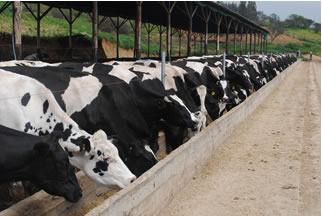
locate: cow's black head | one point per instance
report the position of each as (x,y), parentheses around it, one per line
(52,171)
(137,155)
(177,114)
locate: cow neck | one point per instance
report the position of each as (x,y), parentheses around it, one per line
(21,171)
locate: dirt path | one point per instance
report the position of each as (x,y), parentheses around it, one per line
(271,164)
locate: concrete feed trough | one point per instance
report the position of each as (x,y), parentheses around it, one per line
(150,193)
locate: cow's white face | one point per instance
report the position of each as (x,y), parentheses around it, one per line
(103,163)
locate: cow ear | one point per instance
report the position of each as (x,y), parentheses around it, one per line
(41,149)
(56,135)
(114,139)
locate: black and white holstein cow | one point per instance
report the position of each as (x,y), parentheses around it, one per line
(40,160)
(176,92)
(156,106)
(30,107)
(99,102)
(199,73)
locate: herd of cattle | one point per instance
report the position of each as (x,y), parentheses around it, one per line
(105,118)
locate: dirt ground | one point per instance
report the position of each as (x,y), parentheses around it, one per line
(271,164)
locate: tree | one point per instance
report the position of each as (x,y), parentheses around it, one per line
(317,27)
(276,29)
(298,21)
(274,18)
(242,9)
(251,11)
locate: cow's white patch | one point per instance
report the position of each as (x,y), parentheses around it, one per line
(218,63)
(88,69)
(245,73)
(244,92)
(217,72)
(222,106)
(196,66)
(122,73)
(147,148)
(176,98)
(202,92)
(87,89)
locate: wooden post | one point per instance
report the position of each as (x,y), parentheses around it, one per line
(206,17)
(254,42)
(190,12)
(180,37)
(117,25)
(70,21)
(241,40)
(17,29)
(250,41)
(261,43)
(246,47)
(149,29)
(201,43)
(117,37)
(95,31)
(228,24)
(235,39)
(168,8)
(133,28)
(218,19)
(138,24)
(38,19)
(38,28)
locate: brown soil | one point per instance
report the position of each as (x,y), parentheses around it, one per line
(284,39)
(271,164)
(110,50)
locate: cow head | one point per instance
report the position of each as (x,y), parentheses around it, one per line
(137,155)
(52,171)
(176,113)
(103,163)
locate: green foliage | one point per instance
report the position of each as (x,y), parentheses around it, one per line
(298,21)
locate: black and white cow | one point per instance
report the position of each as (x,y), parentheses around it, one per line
(149,73)
(99,102)
(28,106)
(38,159)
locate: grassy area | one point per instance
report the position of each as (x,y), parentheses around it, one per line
(311,40)
(52,27)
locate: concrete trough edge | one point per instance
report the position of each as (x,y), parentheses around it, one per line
(152,191)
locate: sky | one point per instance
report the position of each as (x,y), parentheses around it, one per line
(307,9)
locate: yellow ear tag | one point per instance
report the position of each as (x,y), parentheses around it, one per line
(131,148)
(213,93)
(233,87)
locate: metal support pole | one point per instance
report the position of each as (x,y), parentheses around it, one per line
(163,67)
(262,60)
(248,57)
